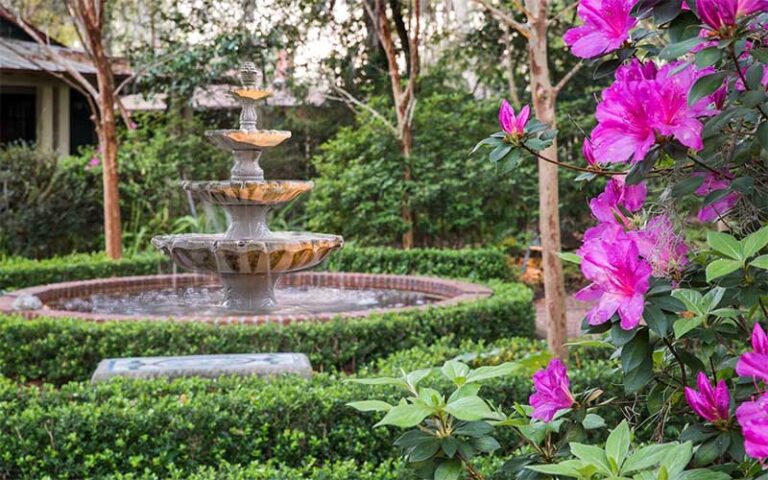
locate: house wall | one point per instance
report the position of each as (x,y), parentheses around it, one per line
(52,108)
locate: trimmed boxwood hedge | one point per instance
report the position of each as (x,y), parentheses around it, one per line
(61,350)
(475,264)
(163,428)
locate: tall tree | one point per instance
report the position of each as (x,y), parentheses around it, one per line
(544,93)
(403,93)
(88,19)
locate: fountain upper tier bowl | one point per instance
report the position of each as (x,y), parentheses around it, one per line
(247,139)
(233,192)
(280,252)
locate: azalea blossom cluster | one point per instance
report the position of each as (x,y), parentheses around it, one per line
(649,110)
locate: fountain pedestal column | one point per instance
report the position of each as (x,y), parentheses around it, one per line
(249,293)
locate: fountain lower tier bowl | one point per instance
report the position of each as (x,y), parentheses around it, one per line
(280,252)
(232,192)
(310,296)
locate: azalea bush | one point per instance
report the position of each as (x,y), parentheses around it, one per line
(682,138)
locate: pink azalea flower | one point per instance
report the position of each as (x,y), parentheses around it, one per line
(513,124)
(724,13)
(645,103)
(755,363)
(606,27)
(661,245)
(93,163)
(607,207)
(709,403)
(552,392)
(619,278)
(713,182)
(753,418)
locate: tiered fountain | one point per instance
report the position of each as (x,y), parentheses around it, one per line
(249,257)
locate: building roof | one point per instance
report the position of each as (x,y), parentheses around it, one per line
(20,52)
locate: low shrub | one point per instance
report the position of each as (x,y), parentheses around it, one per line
(16,272)
(475,264)
(167,428)
(62,350)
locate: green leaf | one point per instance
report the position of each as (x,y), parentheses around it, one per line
(405,415)
(424,450)
(760,262)
(692,300)
(645,458)
(485,444)
(754,76)
(754,242)
(702,474)
(593,421)
(455,371)
(656,320)
(485,373)
(636,362)
(708,56)
(431,397)
(469,409)
(677,458)
(762,135)
(705,86)
(721,267)
(448,470)
(676,50)
(474,429)
(592,455)
(466,390)
(569,257)
(565,469)
(370,406)
(617,445)
(490,141)
(685,325)
(687,186)
(725,244)
(416,376)
(499,152)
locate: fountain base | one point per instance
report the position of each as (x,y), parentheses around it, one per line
(249,293)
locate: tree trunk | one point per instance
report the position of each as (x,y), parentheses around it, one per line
(544,102)
(107,133)
(405,209)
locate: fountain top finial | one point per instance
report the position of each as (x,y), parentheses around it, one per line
(249,75)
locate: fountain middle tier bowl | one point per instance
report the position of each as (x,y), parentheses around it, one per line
(280,252)
(234,192)
(247,139)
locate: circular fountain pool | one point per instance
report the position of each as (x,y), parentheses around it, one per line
(190,297)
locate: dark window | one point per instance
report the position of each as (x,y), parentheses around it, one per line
(18,115)
(82,132)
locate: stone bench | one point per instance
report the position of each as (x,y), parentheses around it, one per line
(207,366)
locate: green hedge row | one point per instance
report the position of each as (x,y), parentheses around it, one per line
(161,428)
(18,273)
(62,350)
(476,264)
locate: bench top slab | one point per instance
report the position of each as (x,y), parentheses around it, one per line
(207,366)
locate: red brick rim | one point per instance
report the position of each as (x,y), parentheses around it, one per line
(449,292)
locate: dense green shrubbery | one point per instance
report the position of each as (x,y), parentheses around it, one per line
(476,264)
(38,189)
(60,350)
(162,427)
(19,272)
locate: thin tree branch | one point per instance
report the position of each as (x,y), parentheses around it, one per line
(58,59)
(568,76)
(522,28)
(349,99)
(563,11)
